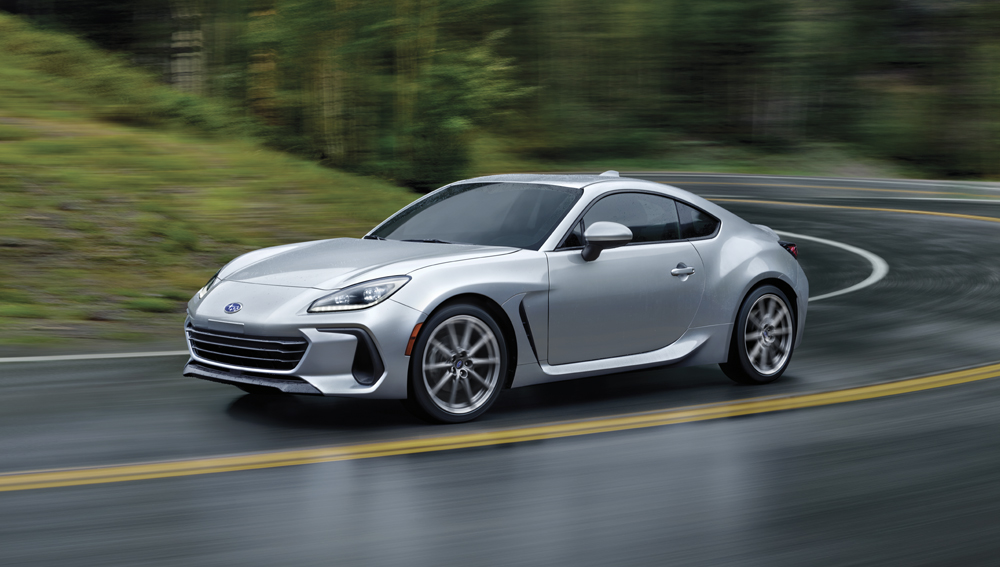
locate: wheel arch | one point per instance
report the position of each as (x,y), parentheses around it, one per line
(785,288)
(495,311)
(769,279)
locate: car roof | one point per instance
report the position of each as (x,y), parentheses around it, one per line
(607,181)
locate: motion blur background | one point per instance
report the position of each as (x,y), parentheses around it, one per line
(132,193)
(399,88)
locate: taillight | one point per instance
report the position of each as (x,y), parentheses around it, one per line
(791,247)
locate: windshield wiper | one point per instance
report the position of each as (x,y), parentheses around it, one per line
(433,240)
(371,237)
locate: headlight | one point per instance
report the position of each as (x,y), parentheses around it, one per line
(208,287)
(359,296)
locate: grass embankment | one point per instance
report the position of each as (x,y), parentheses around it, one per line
(120,197)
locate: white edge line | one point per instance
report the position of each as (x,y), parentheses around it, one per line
(880,268)
(94,356)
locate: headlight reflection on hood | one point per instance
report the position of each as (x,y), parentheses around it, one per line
(359,296)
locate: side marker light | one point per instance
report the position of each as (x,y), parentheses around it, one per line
(413,339)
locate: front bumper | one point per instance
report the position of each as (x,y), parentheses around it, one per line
(287,384)
(354,353)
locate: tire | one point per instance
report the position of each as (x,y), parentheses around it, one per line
(763,338)
(444,387)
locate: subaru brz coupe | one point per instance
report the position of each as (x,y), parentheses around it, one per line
(501,282)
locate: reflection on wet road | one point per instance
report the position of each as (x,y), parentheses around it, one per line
(903,480)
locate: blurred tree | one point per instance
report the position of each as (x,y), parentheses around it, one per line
(399,87)
(722,64)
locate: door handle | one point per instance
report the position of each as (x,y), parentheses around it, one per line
(682,270)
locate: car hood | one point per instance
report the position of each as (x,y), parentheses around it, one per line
(332,264)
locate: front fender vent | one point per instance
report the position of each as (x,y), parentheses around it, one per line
(527,328)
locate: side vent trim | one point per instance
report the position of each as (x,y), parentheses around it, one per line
(527,328)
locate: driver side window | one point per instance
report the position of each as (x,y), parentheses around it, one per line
(651,218)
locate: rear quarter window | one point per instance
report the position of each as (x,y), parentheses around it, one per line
(696,223)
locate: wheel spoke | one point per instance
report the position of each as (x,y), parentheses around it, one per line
(479,378)
(440,347)
(769,314)
(755,336)
(437,366)
(483,360)
(451,397)
(755,318)
(465,337)
(468,390)
(479,344)
(439,385)
(784,314)
(765,354)
(752,355)
(772,361)
(454,336)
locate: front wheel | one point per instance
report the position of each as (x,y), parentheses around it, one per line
(460,361)
(763,338)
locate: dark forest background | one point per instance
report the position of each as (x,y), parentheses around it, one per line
(399,88)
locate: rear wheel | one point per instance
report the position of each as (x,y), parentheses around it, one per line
(459,365)
(763,338)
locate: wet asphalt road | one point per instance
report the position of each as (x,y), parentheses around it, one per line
(907,480)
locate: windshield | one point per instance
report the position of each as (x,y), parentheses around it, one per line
(521,215)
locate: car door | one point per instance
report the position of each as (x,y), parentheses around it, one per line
(632,299)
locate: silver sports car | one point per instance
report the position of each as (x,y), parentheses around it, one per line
(500,282)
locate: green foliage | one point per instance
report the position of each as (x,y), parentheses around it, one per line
(457,92)
(177,295)
(111,88)
(401,88)
(22,311)
(8,296)
(153,305)
(12,133)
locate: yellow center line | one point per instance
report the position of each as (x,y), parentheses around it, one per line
(834,187)
(189,467)
(879,209)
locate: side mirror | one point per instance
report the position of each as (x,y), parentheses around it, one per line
(603,235)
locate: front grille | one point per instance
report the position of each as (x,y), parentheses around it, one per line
(266,353)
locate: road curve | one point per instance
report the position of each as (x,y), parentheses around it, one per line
(643,495)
